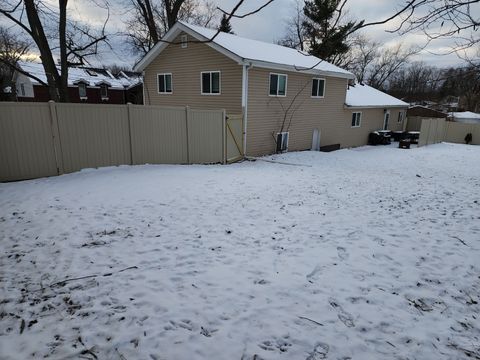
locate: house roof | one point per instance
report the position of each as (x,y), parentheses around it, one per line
(465,115)
(423,111)
(247,51)
(88,75)
(364,96)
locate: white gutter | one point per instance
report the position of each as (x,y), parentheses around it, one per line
(245,69)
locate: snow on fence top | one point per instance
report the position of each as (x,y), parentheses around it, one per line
(361,95)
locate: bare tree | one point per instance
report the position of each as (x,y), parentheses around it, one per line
(153,18)
(71,41)
(439,19)
(390,61)
(295,31)
(362,55)
(12,48)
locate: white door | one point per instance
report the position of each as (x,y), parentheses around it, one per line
(316,140)
(386,120)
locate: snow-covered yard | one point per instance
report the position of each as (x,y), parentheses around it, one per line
(370,253)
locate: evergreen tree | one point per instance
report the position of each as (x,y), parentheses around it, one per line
(326,38)
(225,25)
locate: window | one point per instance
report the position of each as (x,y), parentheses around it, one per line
(278,85)
(401,116)
(22,89)
(318,88)
(184,41)
(104,91)
(164,83)
(211,83)
(82,90)
(356,119)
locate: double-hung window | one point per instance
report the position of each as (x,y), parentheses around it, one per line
(318,88)
(401,116)
(164,83)
(356,119)
(278,85)
(82,90)
(104,91)
(211,83)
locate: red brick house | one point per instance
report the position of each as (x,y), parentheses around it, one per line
(85,84)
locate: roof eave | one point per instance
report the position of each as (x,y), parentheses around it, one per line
(374,106)
(292,68)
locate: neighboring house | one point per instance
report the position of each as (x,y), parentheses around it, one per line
(417,113)
(267,84)
(467,117)
(88,85)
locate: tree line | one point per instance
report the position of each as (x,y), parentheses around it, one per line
(319,27)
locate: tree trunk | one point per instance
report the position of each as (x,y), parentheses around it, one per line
(38,35)
(172,7)
(62,27)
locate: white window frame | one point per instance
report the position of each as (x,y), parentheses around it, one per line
(22,89)
(359,119)
(82,84)
(401,116)
(219,82)
(102,86)
(278,80)
(318,87)
(158,84)
(184,41)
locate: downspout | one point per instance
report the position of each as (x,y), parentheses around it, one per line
(144,89)
(246,67)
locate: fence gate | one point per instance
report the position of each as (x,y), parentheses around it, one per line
(234,136)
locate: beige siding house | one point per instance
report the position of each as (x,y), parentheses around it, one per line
(274,88)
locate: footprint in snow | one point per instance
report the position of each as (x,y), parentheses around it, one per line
(342,253)
(319,352)
(344,316)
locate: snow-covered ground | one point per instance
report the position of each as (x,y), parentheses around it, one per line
(370,253)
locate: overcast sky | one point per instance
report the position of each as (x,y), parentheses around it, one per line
(269,25)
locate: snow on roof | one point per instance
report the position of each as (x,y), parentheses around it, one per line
(366,96)
(248,50)
(90,76)
(465,115)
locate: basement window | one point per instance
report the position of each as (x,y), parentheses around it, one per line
(211,83)
(318,88)
(356,119)
(164,83)
(278,85)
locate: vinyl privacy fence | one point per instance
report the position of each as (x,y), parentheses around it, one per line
(434,131)
(46,139)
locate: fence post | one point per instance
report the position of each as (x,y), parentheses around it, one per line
(57,144)
(129,117)
(225,137)
(187,119)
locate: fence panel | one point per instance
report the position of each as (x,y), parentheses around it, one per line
(93,135)
(456,132)
(26,143)
(206,136)
(432,131)
(159,135)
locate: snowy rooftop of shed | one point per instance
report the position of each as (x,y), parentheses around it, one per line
(465,115)
(366,96)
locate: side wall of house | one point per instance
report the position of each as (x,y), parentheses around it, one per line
(266,113)
(186,65)
(328,114)
(371,120)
